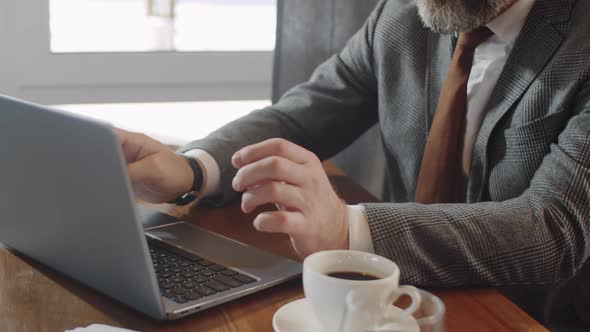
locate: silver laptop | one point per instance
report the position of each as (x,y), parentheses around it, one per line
(65,201)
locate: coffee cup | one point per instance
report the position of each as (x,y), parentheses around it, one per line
(351,290)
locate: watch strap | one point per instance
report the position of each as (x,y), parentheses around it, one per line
(197,172)
(198,180)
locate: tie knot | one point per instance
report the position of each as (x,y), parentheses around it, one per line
(472,39)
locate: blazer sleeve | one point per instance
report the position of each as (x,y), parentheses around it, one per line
(323,115)
(538,238)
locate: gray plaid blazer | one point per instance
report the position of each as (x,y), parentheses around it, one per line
(525,220)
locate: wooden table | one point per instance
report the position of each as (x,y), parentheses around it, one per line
(34,298)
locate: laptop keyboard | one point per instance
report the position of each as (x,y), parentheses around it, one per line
(188,277)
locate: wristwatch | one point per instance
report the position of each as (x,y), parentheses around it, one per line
(198,180)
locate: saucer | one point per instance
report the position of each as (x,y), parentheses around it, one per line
(297,316)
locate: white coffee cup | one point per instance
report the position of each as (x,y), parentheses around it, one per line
(342,305)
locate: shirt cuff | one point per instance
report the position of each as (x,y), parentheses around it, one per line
(211,171)
(359,233)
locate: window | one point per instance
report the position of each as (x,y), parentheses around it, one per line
(100,51)
(171,25)
(182,123)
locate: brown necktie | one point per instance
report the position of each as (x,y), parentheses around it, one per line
(440,174)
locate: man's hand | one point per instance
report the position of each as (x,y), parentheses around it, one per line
(310,212)
(158,175)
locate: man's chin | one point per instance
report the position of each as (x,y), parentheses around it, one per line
(450,29)
(448,19)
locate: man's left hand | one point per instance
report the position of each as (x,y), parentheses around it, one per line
(310,212)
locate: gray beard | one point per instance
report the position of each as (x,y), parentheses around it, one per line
(448,16)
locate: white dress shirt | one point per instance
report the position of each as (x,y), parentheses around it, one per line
(490,58)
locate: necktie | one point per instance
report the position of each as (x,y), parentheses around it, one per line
(440,173)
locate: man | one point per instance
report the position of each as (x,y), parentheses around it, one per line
(484,109)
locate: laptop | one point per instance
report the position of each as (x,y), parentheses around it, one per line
(66,202)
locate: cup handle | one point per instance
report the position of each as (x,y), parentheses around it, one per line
(355,299)
(410,291)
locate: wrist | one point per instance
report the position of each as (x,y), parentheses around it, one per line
(192,181)
(187,176)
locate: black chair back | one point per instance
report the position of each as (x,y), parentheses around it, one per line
(308,33)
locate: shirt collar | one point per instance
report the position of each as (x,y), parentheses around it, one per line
(509,24)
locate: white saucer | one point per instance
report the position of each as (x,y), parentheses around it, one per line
(297,316)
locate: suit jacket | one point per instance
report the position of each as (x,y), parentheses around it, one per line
(525,219)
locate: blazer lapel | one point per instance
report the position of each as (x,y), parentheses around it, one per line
(539,40)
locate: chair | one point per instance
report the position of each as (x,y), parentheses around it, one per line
(308,33)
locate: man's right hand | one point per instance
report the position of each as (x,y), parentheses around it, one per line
(157,174)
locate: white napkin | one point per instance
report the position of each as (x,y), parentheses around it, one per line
(99,328)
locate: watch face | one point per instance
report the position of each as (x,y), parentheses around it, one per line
(185,199)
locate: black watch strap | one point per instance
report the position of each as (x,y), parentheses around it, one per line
(197,183)
(197,172)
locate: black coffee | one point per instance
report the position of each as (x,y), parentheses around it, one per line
(353,276)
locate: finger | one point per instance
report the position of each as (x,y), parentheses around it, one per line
(272,147)
(286,195)
(279,222)
(269,169)
(131,144)
(137,146)
(122,135)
